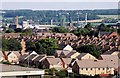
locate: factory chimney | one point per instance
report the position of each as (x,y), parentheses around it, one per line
(86,19)
(16,21)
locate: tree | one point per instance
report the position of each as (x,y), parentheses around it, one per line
(80,31)
(11,45)
(88,26)
(93,33)
(103,27)
(46,46)
(17,30)
(30,45)
(4,44)
(92,49)
(59,30)
(42,46)
(9,30)
(27,32)
(14,45)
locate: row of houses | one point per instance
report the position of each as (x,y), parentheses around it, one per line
(69,59)
(67,52)
(106,41)
(106,65)
(80,63)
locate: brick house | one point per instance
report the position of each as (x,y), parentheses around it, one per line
(92,67)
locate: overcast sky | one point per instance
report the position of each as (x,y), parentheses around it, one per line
(58,5)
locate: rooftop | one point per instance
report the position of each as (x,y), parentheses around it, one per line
(14,70)
(10,68)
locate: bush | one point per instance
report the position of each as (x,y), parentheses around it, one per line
(6,62)
(50,71)
(62,73)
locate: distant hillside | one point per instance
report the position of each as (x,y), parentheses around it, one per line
(47,15)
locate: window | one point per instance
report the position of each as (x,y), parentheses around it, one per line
(86,68)
(91,68)
(103,68)
(98,68)
(81,68)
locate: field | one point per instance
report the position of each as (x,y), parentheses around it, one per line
(109,16)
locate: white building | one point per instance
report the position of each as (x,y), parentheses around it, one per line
(27,25)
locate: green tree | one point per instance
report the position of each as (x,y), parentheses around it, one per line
(103,27)
(92,49)
(80,31)
(27,32)
(59,30)
(30,45)
(4,44)
(46,46)
(9,30)
(14,45)
(11,45)
(88,26)
(93,33)
(42,46)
